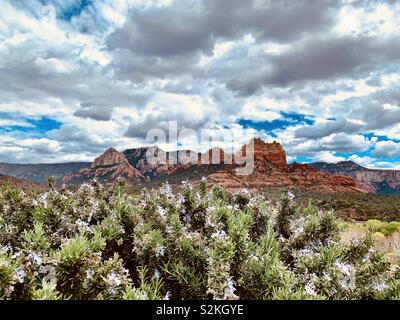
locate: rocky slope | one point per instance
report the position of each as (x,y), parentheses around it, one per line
(386,182)
(297,177)
(20,183)
(108,168)
(154,162)
(40,172)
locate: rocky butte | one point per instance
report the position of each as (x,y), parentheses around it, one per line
(271,152)
(271,169)
(108,168)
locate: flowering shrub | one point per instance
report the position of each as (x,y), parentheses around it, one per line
(99,242)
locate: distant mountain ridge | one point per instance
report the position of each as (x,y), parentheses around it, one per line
(40,172)
(386,182)
(271,170)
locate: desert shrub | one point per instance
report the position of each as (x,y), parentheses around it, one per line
(99,242)
(392,227)
(386,228)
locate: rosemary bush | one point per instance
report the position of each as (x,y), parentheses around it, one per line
(99,242)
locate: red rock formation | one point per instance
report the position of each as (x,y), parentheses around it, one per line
(270,168)
(299,167)
(109,158)
(262,151)
(108,167)
(273,177)
(271,171)
(153,162)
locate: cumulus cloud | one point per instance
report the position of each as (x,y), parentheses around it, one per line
(345,143)
(187,111)
(172,40)
(42,145)
(88,110)
(38,149)
(110,71)
(195,26)
(326,147)
(387,149)
(320,130)
(364,161)
(320,59)
(328,157)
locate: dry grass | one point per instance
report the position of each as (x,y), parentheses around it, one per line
(390,245)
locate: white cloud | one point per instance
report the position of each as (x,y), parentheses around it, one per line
(381,19)
(42,145)
(263,109)
(387,149)
(14,149)
(359,89)
(346,143)
(52,65)
(390,78)
(14,122)
(365,161)
(328,157)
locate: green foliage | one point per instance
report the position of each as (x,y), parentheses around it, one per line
(354,206)
(386,228)
(48,291)
(51,181)
(99,242)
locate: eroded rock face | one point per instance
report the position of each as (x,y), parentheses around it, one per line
(375,181)
(108,168)
(297,176)
(109,158)
(262,151)
(153,161)
(379,180)
(300,167)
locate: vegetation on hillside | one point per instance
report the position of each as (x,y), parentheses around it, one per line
(348,206)
(362,206)
(99,242)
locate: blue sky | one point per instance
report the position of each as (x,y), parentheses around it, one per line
(286,120)
(30,127)
(72,10)
(320,77)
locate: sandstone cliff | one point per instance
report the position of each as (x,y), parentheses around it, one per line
(262,151)
(375,181)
